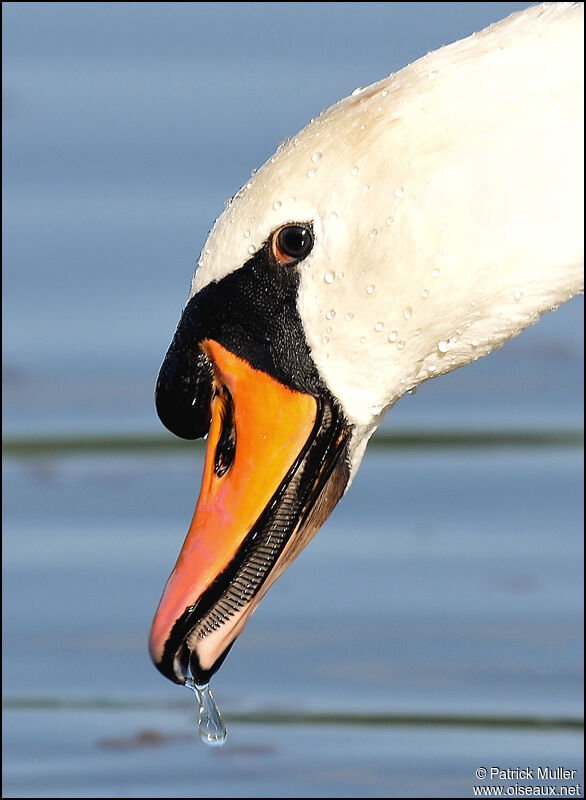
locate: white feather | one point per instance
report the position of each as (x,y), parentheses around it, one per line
(447,207)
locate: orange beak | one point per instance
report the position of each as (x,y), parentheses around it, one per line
(262,476)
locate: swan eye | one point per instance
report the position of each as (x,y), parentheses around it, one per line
(292,243)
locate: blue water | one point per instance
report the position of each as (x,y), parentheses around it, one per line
(126,126)
(461,594)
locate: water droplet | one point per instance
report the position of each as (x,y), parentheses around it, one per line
(348,316)
(425,293)
(379,326)
(277,204)
(408,312)
(251,248)
(401,345)
(399,191)
(316,157)
(311,173)
(435,272)
(331,313)
(373,233)
(393,335)
(330,277)
(442,347)
(212,730)
(370,288)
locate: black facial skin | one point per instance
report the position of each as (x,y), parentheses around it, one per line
(253,313)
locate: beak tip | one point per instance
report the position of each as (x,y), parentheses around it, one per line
(168,668)
(160,657)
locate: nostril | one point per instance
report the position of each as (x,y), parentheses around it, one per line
(226,447)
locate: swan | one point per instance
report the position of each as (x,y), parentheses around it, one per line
(410,229)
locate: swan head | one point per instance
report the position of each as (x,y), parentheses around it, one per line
(410,229)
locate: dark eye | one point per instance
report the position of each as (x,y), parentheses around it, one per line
(292,243)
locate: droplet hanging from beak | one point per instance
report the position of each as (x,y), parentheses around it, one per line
(212,730)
